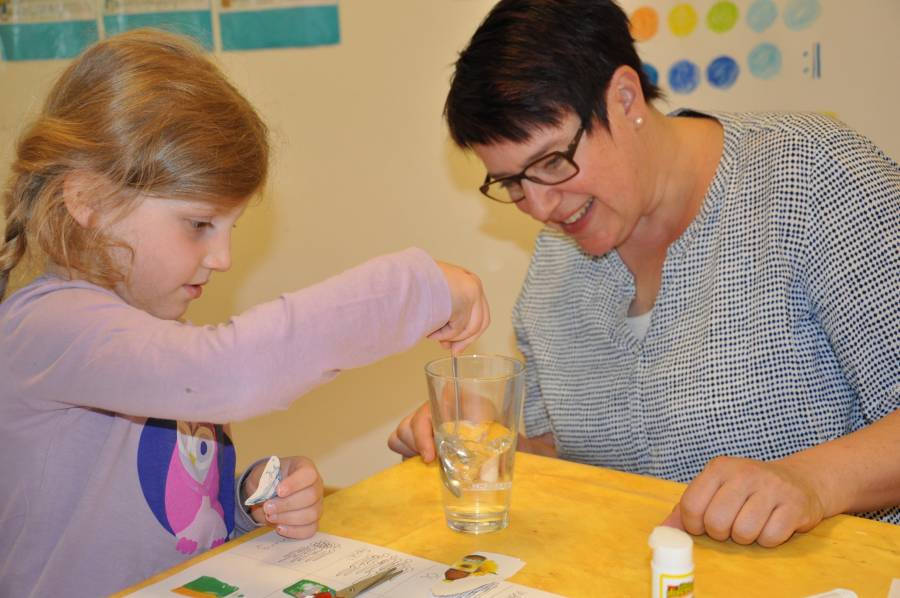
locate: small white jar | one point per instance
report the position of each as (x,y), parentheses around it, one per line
(672,564)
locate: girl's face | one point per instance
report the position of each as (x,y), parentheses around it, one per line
(600,206)
(177,246)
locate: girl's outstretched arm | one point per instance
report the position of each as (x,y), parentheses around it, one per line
(79,344)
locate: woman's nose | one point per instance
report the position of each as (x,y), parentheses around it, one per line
(540,200)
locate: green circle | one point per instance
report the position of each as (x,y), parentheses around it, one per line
(682,19)
(722,16)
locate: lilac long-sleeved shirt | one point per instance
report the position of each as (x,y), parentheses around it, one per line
(107,477)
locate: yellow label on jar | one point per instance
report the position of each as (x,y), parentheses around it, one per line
(676,586)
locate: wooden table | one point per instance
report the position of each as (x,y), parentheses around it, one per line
(582,531)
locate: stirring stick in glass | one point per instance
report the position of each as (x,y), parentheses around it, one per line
(455,367)
(453,484)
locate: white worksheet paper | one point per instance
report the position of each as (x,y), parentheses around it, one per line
(264,566)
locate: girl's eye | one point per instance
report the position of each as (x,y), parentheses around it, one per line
(200,224)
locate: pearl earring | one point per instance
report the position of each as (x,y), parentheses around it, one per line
(638,122)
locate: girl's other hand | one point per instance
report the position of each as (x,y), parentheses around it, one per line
(469,312)
(297,508)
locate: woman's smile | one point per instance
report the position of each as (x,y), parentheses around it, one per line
(578,220)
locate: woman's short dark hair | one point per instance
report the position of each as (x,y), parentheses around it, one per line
(532,61)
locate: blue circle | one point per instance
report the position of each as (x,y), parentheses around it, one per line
(722,72)
(651,73)
(764,61)
(799,14)
(684,76)
(761,15)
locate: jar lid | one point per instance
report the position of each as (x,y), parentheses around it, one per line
(671,547)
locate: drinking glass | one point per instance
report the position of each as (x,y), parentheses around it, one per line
(476,415)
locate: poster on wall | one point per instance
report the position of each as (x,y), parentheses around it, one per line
(257,24)
(189,17)
(725,50)
(46,29)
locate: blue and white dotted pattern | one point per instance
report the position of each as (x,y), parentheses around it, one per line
(776,328)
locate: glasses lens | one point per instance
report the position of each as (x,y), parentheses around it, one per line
(505,191)
(551,170)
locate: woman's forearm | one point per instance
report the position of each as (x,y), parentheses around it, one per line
(857,472)
(538,445)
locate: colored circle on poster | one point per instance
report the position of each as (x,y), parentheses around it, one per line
(684,76)
(761,15)
(799,14)
(722,16)
(764,61)
(722,72)
(644,23)
(682,20)
(651,72)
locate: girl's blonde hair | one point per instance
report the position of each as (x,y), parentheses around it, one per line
(145,112)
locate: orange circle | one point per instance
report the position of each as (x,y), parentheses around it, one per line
(644,23)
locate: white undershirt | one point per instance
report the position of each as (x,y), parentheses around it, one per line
(640,324)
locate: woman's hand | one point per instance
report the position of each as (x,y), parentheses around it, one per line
(414,435)
(749,501)
(544,445)
(297,507)
(469,312)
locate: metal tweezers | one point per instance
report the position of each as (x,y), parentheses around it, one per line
(369,582)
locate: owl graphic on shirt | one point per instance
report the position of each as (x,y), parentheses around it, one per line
(186,472)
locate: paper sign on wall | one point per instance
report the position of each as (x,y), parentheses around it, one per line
(256,24)
(46,29)
(189,17)
(686,46)
(56,29)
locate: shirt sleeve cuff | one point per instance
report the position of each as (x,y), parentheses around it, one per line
(537,423)
(243,522)
(439,289)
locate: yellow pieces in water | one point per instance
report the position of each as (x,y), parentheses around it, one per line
(482,432)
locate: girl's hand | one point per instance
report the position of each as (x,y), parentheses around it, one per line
(469,312)
(296,510)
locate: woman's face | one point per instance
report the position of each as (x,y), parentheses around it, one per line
(600,206)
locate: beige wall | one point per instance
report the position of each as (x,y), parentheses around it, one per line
(363,166)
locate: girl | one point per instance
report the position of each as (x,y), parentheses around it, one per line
(116,462)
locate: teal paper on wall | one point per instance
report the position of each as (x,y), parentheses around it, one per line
(245,26)
(46,41)
(43,30)
(195,24)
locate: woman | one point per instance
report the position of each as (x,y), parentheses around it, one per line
(714,299)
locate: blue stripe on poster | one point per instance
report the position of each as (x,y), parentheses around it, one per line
(194,23)
(46,41)
(280,28)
